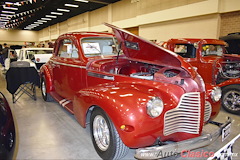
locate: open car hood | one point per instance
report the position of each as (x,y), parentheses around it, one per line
(138,48)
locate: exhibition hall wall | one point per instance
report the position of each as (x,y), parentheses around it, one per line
(151,19)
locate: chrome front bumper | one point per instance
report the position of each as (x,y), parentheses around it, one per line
(157,152)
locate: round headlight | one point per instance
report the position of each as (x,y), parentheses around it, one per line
(154,107)
(216,94)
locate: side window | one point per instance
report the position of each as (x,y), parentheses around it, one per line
(185,50)
(67,49)
(30,55)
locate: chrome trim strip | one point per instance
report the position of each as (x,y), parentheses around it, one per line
(69,65)
(66,102)
(103,76)
(62,101)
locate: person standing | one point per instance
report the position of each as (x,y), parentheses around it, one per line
(1,56)
(5,52)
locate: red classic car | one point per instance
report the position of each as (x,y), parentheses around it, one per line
(215,67)
(132,93)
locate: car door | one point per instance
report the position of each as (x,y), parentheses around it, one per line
(67,69)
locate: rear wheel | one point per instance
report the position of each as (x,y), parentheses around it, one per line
(105,137)
(46,96)
(231,99)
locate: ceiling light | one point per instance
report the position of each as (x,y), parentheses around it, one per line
(11,3)
(34,24)
(38,22)
(63,10)
(17,4)
(8,12)
(41,21)
(71,5)
(4,20)
(82,1)
(8,2)
(48,19)
(51,16)
(12,8)
(6,15)
(57,13)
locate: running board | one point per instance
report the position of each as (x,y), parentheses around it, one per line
(65,103)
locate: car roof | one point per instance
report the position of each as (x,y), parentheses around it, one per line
(80,35)
(196,40)
(37,49)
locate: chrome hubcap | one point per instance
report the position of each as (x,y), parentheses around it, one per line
(232,100)
(101,133)
(43,88)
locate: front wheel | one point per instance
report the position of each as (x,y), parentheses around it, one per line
(105,137)
(46,96)
(231,99)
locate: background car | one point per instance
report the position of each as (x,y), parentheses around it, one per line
(35,56)
(216,67)
(7,130)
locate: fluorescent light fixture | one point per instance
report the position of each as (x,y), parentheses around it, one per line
(38,22)
(6,15)
(4,20)
(71,5)
(82,1)
(41,21)
(63,10)
(8,12)
(48,19)
(34,24)
(57,13)
(17,4)
(8,2)
(11,8)
(51,16)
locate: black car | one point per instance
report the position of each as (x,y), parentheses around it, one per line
(233,40)
(7,130)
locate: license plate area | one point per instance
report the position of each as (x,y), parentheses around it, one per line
(226,131)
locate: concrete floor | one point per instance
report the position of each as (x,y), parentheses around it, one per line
(47,131)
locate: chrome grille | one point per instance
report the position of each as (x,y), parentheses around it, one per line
(185,117)
(207,111)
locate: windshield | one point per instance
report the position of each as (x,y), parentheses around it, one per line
(39,51)
(213,49)
(97,46)
(30,53)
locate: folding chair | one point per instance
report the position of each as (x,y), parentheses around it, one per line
(22,79)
